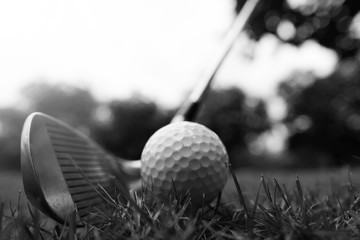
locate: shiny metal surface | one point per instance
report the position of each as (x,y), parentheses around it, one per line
(62,168)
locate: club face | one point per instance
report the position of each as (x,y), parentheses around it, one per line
(62,168)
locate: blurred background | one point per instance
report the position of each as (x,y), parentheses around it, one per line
(287,96)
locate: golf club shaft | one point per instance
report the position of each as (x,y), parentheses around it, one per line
(190,107)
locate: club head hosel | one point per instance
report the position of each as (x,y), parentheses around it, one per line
(187,113)
(131,168)
(126,171)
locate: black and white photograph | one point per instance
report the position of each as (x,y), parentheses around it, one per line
(179,119)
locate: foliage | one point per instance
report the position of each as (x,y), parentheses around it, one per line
(237,119)
(11,121)
(324,116)
(129,125)
(273,211)
(326,21)
(72,105)
(124,126)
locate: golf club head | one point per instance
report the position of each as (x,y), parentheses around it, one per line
(62,169)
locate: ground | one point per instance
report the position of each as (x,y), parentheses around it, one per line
(249,179)
(303,204)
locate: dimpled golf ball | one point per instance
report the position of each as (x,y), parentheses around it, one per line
(185,156)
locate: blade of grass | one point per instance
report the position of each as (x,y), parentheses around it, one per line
(88,232)
(267,216)
(237,185)
(217,203)
(205,226)
(342,209)
(302,199)
(350,183)
(123,190)
(202,204)
(274,197)
(19,201)
(36,222)
(355,204)
(187,198)
(266,189)
(251,223)
(283,196)
(134,205)
(29,233)
(9,229)
(13,212)
(2,210)
(88,181)
(255,206)
(72,226)
(176,193)
(299,189)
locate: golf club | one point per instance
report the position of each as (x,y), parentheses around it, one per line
(64,170)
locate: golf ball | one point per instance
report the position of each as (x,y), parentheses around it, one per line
(185,156)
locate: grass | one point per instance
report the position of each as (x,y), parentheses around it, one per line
(270,206)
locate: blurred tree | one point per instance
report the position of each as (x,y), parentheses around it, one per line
(128,125)
(323,114)
(11,122)
(326,21)
(237,119)
(73,105)
(324,117)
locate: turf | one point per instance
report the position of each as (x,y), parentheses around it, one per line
(254,205)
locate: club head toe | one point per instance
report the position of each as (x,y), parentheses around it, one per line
(43,180)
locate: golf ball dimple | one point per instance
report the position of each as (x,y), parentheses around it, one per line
(186,154)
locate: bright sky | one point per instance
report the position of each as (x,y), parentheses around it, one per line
(157,48)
